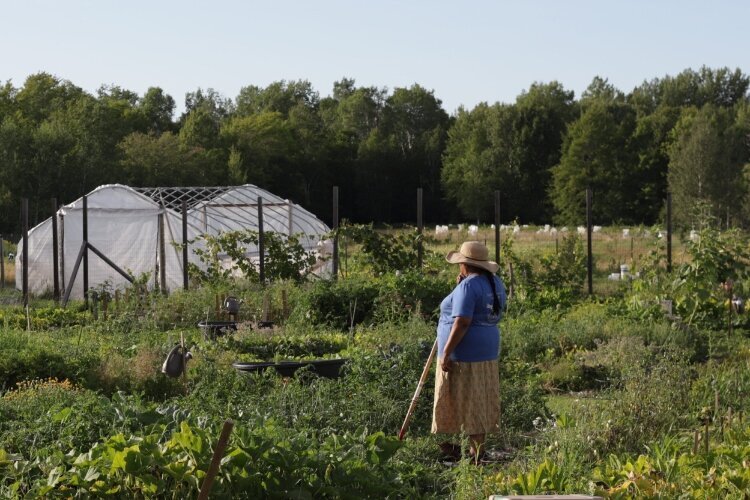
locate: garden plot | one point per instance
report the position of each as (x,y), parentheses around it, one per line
(603,397)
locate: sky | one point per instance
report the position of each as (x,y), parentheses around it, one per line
(465,51)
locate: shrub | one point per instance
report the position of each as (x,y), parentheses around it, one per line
(341,303)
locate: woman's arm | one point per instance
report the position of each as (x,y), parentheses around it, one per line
(458,330)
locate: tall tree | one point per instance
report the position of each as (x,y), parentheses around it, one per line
(597,153)
(402,154)
(706,162)
(158,110)
(164,160)
(541,119)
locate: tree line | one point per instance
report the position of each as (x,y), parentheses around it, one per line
(688,133)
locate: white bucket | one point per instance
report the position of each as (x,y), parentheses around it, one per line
(624,271)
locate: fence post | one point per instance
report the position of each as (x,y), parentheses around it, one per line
(497,226)
(669,232)
(55,255)
(162,255)
(261,245)
(25,229)
(86,250)
(184,246)
(2,263)
(589,260)
(335,232)
(420,230)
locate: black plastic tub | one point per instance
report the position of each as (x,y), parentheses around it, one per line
(329,368)
(213,329)
(251,367)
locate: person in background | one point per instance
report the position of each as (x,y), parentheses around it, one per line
(467,382)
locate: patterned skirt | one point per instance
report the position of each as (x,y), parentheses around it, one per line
(467,399)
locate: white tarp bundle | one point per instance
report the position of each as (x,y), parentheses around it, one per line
(124,225)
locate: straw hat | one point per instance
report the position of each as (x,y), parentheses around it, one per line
(475,254)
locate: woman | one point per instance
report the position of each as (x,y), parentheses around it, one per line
(467,385)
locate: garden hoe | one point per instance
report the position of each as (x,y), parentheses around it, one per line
(422,380)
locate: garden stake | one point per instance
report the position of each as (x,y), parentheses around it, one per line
(422,380)
(696,439)
(184,360)
(706,443)
(284,304)
(213,469)
(716,403)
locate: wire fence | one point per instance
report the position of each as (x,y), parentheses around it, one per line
(615,251)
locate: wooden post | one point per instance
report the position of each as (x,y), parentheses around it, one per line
(707,436)
(86,250)
(162,256)
(335,232)
(284,304)
(69,288)
(266,307)
(261,250)
(25,261)
(669,232)
(497,226)
(696,440)
(184,359)
(62,252)
(55,260)
(716,403)
(2,263)
(590,258)
(510,277)
(420,230)
(213,469)
(95,305)
(184,246)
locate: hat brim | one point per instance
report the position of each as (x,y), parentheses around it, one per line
(455,257)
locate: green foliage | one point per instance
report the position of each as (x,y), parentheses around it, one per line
(396,251)
(266,461)
(566,269)
(707,156)
(42,318)
(696,286)
(549,281)
(286,258)
(339,303)
(287,346)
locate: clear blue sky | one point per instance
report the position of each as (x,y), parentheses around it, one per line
(466,51)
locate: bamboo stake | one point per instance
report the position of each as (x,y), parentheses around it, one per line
(213,469)
(422,380)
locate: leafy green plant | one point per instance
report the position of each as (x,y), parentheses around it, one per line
(285,257)
(384,252)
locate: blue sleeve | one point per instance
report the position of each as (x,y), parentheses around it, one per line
(464,300)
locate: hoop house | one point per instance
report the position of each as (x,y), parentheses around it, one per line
(134,227)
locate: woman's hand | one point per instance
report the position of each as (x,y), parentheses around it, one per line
(446,363)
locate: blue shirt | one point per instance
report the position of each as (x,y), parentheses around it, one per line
(472,298)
